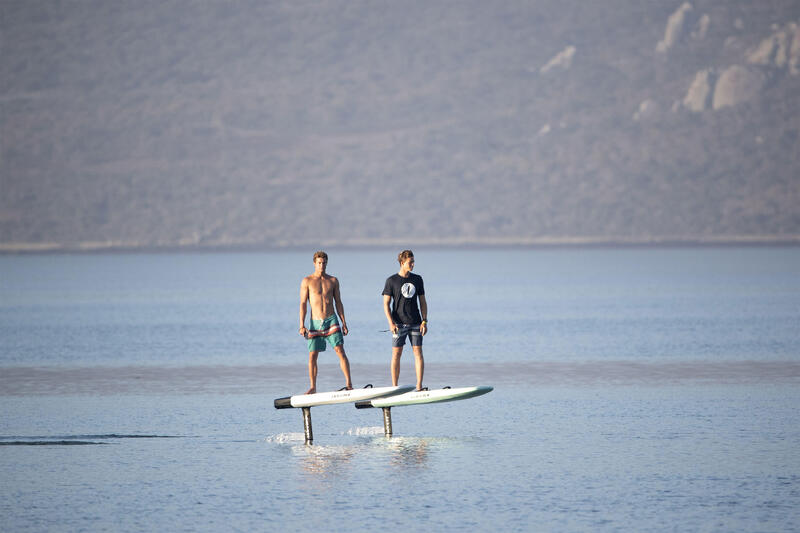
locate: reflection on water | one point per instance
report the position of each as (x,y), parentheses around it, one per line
(319,460)
(334,460)
(408,452)
(324,460)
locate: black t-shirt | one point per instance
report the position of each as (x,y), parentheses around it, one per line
(404,293)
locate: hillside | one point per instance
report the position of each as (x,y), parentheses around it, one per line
(178,123)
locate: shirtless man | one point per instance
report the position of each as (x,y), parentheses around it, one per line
(321,290)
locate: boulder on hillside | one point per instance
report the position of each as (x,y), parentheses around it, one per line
(738,84)
(781,49)
(676,24)
(794,52)
(698,97)
(702,27)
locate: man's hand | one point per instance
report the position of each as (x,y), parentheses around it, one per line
(423,328)
(345,329)
(303,331)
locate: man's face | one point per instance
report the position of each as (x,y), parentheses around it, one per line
(409,264)
(320,264)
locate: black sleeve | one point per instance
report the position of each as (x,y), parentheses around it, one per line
(387,288)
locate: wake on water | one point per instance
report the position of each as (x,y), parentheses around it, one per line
(72,440)
(368,431)
(285,438)
(295,437)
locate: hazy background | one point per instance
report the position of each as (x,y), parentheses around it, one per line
(311,123)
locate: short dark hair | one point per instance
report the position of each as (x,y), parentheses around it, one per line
(405,254)
(320,254)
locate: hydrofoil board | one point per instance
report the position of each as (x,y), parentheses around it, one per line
(416,397)
(340,396)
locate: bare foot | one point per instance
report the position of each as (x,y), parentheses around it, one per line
(312,390)
(348,387)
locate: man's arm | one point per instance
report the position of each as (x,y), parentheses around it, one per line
(423,309)
(337,301)
(388,312)
(303,304)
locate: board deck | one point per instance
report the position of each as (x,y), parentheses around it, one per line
(340,396)
(426,396)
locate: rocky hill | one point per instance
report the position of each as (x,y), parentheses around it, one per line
(345,122)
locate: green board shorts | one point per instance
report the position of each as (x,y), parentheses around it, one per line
(324,331)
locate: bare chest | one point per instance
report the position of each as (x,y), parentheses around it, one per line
(320,288)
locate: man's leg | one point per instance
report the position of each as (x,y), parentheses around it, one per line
(344,364)
(312,371)
(419,365)
(397,351)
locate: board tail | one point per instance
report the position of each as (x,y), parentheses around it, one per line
(283,403)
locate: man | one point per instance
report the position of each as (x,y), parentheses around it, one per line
(321,290)
(403,290)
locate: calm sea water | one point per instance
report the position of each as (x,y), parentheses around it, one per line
(635,389)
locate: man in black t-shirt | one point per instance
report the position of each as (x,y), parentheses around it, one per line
(406,319)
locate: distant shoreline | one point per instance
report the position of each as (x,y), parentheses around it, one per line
(543,242)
